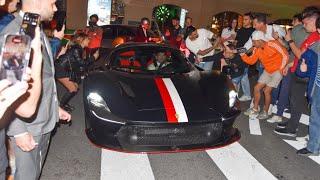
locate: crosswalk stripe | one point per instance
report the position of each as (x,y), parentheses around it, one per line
(304,119)
(299,145)
(123,166)
(237,163)
(254,126)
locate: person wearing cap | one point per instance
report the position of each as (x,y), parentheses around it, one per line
(260,24)
(274,58)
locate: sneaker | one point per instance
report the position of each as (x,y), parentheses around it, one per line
(285,132)
(271,107)
(306,152)
(282,124)
(303,139)
(263,115)
(275,119)
(251,112)
(244,98)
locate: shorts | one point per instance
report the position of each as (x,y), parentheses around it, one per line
(271,80)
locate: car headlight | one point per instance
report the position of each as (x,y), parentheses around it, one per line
(232,98)
(95,100)
(99,108)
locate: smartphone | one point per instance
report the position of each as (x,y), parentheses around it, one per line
(29,23)
(14,57)
(241,50)
(61,20)
(60,24)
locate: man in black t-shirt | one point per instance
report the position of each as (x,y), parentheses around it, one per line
(176,28)
(245,32)
(188,24)
(242,37)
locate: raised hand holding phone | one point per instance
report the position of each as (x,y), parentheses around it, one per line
(29,23)
(36,65)
(15,57)
(59,33)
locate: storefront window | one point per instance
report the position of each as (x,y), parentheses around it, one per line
(102,8)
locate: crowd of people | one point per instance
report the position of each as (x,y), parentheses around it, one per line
(287,61)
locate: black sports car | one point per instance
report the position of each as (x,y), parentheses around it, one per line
(150,98)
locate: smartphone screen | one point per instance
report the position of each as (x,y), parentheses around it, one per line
(241,50)
(15,57)
(29,23)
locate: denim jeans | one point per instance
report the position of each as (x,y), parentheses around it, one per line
(245,84)
(207,66)
(314,126)
(237,81)
(281,94)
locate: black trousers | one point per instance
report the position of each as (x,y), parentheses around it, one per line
(297,102)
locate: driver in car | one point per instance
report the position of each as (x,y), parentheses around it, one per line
(160,61)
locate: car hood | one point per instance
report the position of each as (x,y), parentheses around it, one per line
(190,95)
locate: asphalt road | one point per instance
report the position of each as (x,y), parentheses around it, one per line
(265,156)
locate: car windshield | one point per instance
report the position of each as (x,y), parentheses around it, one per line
(150,60)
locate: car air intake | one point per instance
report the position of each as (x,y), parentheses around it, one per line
(169,135)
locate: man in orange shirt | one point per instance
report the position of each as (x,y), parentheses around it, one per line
(95,34)
(274,58)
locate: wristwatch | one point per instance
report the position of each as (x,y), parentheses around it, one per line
(290,41)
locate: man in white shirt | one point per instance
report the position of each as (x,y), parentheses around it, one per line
(198,42)
(271,32)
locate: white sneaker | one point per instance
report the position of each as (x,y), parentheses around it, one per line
(263,115)
(251,112)
(271,107)
(244,98)
(275,119)
(303,139)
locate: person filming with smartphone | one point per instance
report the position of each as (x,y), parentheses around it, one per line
(31,136)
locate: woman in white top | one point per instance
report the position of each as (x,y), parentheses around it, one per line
(229,33)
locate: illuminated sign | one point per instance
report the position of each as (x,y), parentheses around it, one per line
(102,8)
(183,17)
